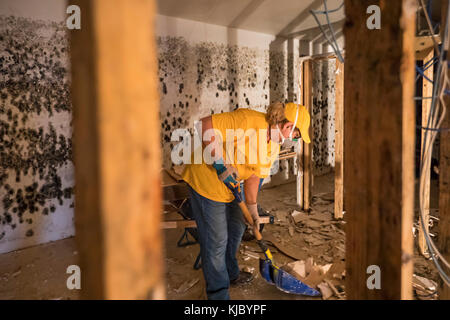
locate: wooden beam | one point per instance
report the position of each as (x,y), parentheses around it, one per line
(174,224)
(379,130)
(307,147)
(117,150)
(339,143)
(444,182)
(423,45)
(300,178)
(427,91)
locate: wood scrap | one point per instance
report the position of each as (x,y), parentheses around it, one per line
(248,269)
(325,290)
(333,288)
(309,264)
(251,255)
(299,216)
(187,285)
(336,271)
(314,277)
(297,269)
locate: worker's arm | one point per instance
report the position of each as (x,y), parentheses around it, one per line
(206,123)
(228,174)
(251,188)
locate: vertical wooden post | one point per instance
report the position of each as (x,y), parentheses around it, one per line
(427,91)
(307,147)
(379,150)
(444,180)
(117,150)
(299,158)
(339,143)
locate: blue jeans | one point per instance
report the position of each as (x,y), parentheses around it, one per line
(220,229)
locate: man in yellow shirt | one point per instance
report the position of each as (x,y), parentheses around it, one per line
(250,141)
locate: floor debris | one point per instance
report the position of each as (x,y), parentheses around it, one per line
(424,288)
(322,277)
(187,285)
(325,290)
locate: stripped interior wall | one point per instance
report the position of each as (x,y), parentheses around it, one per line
(36,169)
(324,79)
(203,69)
(206,69)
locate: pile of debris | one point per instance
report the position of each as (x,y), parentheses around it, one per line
(328,279)
(323,237)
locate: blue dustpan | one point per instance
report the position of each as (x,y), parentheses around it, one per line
(283,280)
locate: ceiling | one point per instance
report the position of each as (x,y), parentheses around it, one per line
(274,17)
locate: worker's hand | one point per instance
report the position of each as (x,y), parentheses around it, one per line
(230,176)
(253,209)
(227,174)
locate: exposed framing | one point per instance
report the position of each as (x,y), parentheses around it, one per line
(117,150)
(379,149)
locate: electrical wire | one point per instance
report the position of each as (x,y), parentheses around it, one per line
(330,11)
(438,111)
(333,42)
(425,11)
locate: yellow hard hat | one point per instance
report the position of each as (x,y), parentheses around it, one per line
(298,115)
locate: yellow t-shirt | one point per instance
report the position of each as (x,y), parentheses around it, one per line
(242,148)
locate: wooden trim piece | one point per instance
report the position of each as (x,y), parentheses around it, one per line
(307,147)
(427,91)
(339,143)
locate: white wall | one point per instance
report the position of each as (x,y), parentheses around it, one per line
(54,10)
(36,171)
(205,69)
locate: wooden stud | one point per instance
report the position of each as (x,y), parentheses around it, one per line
(379,130)
(339,143)
(444,182)
(427,91)
(117,150)
(307,147)
(300,157)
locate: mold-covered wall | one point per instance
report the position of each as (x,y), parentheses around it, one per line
(36,170)
(198,79)
(323,115)
(206,69)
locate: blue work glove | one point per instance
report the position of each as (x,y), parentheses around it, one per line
(227,174)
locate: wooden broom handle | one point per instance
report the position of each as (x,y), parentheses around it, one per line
(249,219)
